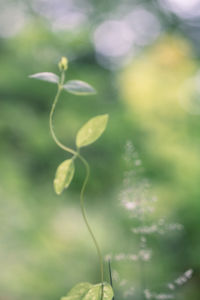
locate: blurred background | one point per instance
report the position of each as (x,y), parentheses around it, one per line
(143,58)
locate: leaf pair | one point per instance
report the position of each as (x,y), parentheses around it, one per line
(87,291)
(87,135)
(76,87)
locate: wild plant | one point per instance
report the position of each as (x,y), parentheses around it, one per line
(135,198)
(87,134)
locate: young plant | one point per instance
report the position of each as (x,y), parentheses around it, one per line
(88,134)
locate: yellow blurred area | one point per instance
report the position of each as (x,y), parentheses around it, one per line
(151,88)
(151,84)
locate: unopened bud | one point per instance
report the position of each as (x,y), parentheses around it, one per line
(63,63)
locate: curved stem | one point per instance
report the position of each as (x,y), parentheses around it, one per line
(51,120)
(76,154)
(85,218)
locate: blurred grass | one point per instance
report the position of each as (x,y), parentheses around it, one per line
(45,248)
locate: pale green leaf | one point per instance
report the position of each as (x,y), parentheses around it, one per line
(91,131)
(78,87)
(107,292)
(46,76)
(64,175)
(87,291)
(95,292)
(78,291)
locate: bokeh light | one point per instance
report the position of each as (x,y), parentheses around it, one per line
(12,19)
(183,8)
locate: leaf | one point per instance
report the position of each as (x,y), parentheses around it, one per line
(46,76)
(87,291)
(64,175)
(78,291)
(108,293)
(78,87)
(95,291)
(91,131)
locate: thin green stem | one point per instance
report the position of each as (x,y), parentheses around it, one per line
(76,154)
(85,218)
(65,148)
(110,275)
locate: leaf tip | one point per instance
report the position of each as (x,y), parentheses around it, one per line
(106,118)
(93,91)
(57,193)
(55,186)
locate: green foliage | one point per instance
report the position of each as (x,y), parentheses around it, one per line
(87,291)
(46,76)
(91,131)
(78,291)
(64,175)
(88,134)
(78,87)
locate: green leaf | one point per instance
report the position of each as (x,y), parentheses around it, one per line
(78,87)
(78,291)
(64,175)
(107,291)
(87,291)
(46,76)
(95,291)
(91,131)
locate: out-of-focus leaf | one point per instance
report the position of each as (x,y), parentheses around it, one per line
(91,131)
(78,87)
(87,291)
(96,290)
(78,291)
(64,175)
(46,76)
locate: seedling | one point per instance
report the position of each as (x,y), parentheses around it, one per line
(88,134)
